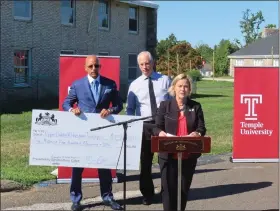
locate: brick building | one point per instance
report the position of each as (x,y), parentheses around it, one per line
(35,33)
(264,52)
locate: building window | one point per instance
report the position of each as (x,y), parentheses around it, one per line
(103,14)
(239,62)
(132,66)
(22,10)
(133,19)
(103,53)
(68,52)
(22,65)
(275,62)
(258,62)
(67,10)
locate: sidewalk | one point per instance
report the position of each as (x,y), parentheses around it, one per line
(216,185)
(218,79)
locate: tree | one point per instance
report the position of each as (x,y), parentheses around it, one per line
(222,50)
(206,52)
(164,45)
(250,26)
(233,47)
(182,57)
(270,26)
(162,50)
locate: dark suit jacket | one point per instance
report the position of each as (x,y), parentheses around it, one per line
(81,94)
(167,119)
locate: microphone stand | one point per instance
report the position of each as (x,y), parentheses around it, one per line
(125,126)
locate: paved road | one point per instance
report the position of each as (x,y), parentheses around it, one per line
(219,79)
(216,186)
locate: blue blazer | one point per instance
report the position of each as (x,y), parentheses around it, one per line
(81,94)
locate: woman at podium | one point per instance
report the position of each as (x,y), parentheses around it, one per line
(179,116)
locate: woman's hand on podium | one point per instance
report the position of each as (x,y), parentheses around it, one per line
(162,133)
(195,134)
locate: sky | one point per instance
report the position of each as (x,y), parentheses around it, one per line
(209,21)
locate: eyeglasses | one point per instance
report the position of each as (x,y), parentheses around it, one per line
(96,66)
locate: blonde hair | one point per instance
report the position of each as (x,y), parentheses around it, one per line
(182,76)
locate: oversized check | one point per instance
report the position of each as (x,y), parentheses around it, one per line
(60,138)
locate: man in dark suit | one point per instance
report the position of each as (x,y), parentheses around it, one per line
(93,94)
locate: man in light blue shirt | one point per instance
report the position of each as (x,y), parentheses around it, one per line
(143,98)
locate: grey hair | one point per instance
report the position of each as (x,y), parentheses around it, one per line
(147,53)
(182,76)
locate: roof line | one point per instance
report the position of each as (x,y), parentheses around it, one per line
(276,34)
(149,4)
(253,56)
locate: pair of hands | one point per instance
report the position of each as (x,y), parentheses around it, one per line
(193,134)
(104,113)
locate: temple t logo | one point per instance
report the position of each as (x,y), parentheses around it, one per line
(251,100)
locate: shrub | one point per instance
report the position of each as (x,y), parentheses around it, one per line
(195,75)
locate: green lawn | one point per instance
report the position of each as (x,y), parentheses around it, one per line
(15,135)
(217,103)
(216,99)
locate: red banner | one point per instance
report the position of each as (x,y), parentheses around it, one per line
(71,69)
(256,107)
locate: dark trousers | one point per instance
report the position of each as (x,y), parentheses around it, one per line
(105,178)
(169,181)
(146,181)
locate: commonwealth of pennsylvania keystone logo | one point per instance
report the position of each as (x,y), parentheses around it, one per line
(47,119)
